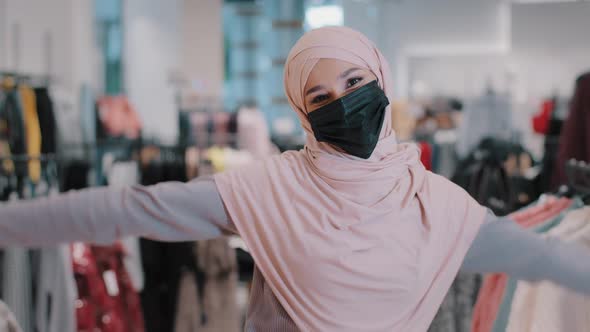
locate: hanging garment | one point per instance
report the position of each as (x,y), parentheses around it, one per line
(13,126)
(220,128)
(543,306)
(17,282)
(485,179)
(188,309)
(540,121)
(426,155)
(164,264)
(88,114)
(212,306)
(7,166)
(543,217)
(199,132)
(118,118)
(56,293)
(574,142)
(93,305)
(75,175)
(403,121)
(107,300)
(32,130)
(444,155)
(8,322)
(253,133)
(501,320)
(16,285)
(456,310)
(128,305)
(217,260)
(551,150)
(47,122)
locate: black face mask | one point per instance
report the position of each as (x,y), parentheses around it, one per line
(353,122)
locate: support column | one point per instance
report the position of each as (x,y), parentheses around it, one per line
(284,27)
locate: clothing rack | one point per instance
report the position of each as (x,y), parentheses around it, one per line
(38,80)
(25,158)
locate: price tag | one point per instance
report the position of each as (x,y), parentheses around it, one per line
(110,281)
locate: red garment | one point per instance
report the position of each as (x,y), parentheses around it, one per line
(118,117)
(574,142)
(491,292)
(426,155)
(541,120)
(106,301)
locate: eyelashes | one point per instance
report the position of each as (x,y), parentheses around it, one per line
(320,98)
(351,82)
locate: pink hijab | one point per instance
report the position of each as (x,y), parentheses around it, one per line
(348,244)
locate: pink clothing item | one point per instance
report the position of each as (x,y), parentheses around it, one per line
(348,244)
(545,306)
(253,133)
(200,133)
(118,117)
(221,129)
(492,290)
(537,214)
(488,302)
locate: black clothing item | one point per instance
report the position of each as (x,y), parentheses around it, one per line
(352,122)
(483,176)
(12,128)
(163,263)
(75,176)
(11,113)
(47,122)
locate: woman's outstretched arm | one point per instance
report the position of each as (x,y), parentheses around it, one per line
(170,211)
(503,246)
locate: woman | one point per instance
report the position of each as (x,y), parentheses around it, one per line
(349,234)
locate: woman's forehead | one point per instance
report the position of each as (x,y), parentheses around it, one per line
(327,70)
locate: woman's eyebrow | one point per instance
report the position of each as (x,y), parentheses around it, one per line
(347,72)
(341,76)
(314,89)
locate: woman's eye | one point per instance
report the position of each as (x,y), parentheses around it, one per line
(319,99)
(353,81)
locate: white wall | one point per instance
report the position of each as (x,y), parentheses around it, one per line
(53,38)
(67,24)
(531,39)
(550,45)
(26,31)
(364,16)
(428,23)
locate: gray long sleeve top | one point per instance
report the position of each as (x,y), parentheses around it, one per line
(194,211)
